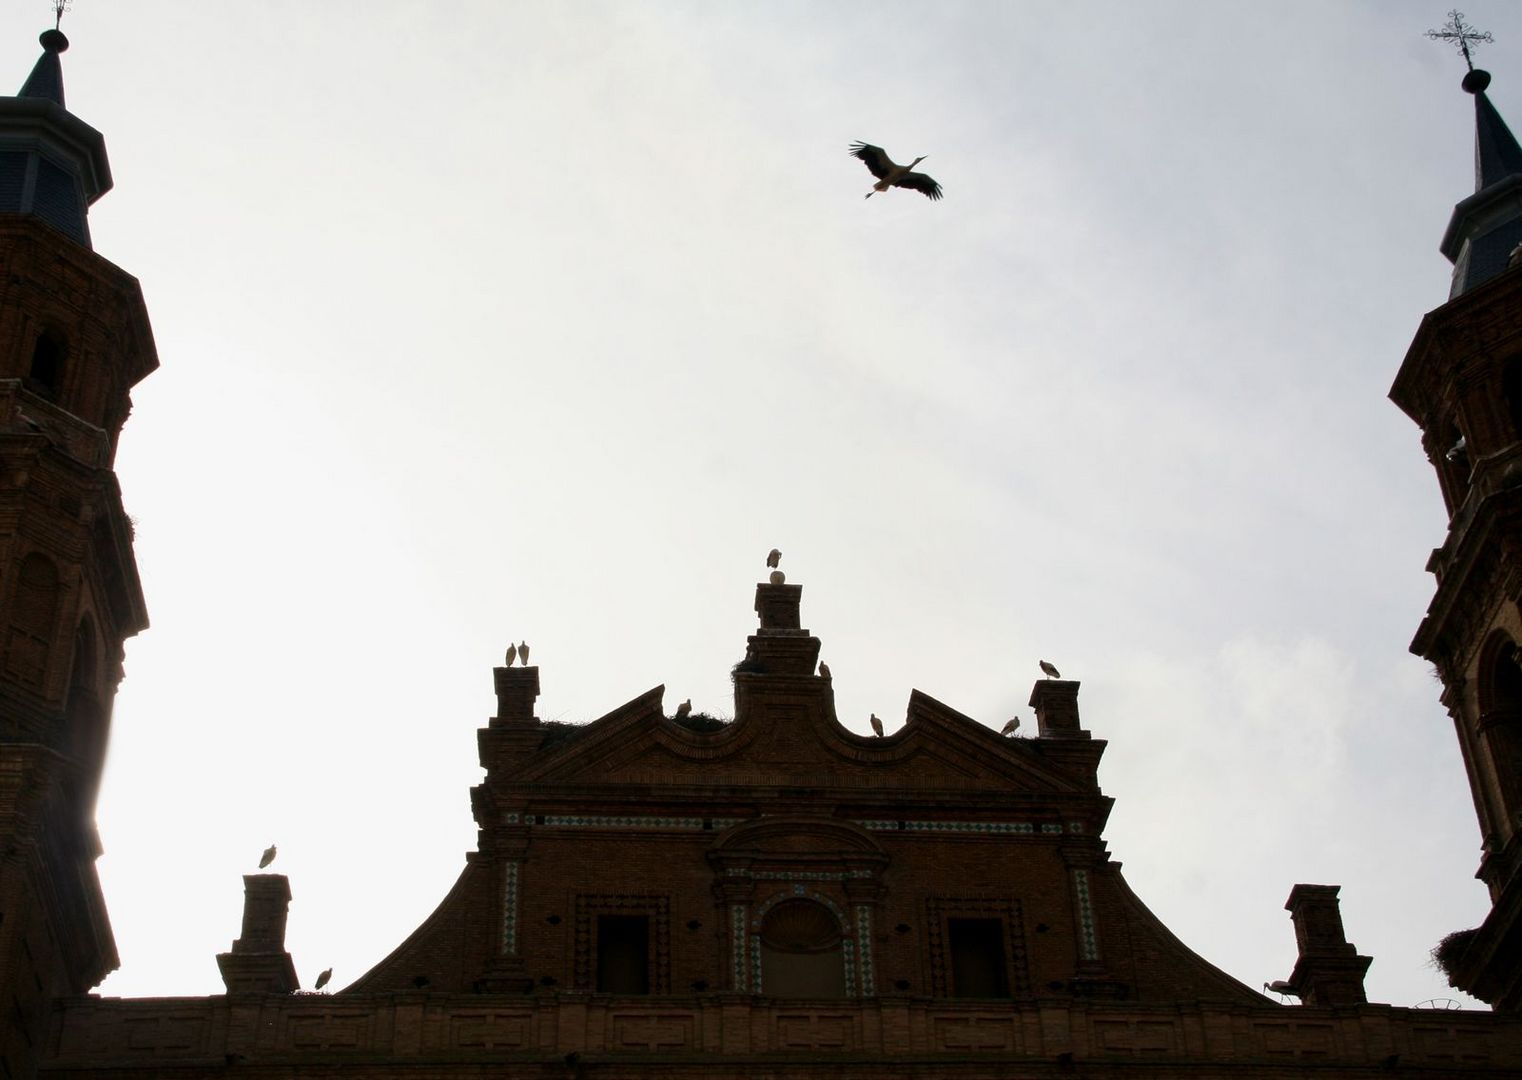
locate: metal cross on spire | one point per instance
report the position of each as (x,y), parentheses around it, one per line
(59,7)
(1457,32)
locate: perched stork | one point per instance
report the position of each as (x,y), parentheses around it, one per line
(523,653)
(322,980)
(512,654)
(684,710)
(824,670)
(773,557)
(1050,670)
(880,165)
(268,857)
(877,725)
(1011,727)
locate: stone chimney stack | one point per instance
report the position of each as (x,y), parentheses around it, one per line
(259,963)
(1329,971)
(1056,705)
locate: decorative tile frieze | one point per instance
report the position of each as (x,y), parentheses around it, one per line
(616,822)
(628,821)
(509,909)
(1088,936)
(1018,828)
(864,935)
(755,963)
(797,875)
(737,944)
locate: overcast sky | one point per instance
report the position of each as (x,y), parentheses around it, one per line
(485,321)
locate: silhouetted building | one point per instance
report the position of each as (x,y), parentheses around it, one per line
(1462,382)
(652,896)
(74,338)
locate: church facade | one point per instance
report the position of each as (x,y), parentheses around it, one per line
(659,895)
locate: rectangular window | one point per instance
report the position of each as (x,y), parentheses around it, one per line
(623,954)
(977,958)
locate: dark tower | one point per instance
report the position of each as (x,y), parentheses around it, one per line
(1462,382)
(74,339)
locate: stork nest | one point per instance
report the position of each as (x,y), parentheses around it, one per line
(701,722)
(748,666)
(1447,953)
(559,731)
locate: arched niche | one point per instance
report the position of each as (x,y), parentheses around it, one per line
(802,949)
(1500,701)
(34,607)
(1511,394)
(83,711)
(800,895)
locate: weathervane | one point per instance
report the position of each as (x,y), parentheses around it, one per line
(1457,32)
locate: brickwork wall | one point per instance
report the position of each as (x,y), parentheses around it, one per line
(47,283)
(412,1035)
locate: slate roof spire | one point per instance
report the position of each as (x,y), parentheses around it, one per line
(1496,153)
(1487,225)
(53,165)
(46,79)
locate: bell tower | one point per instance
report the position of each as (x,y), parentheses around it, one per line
(1462,383)
(74,339)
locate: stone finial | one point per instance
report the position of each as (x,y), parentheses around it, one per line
(258,963)
(1328,971)
(1056,705)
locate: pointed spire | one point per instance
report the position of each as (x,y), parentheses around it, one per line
(52,164)
(1496,153)
(46,79)
(1487,226)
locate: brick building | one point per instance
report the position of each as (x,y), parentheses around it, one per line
(657,895)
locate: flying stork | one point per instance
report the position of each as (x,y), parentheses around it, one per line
(890,175)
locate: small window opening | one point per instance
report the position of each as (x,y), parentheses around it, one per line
(45,376)
(1453,466)
(1503,722)
(977,958)
(623,954)
(1511,389)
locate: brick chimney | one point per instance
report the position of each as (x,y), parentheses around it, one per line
(1329,971)
(517,690)
(780,646)
(259,963)
(1056,705)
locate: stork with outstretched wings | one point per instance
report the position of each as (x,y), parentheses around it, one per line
(889,174)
